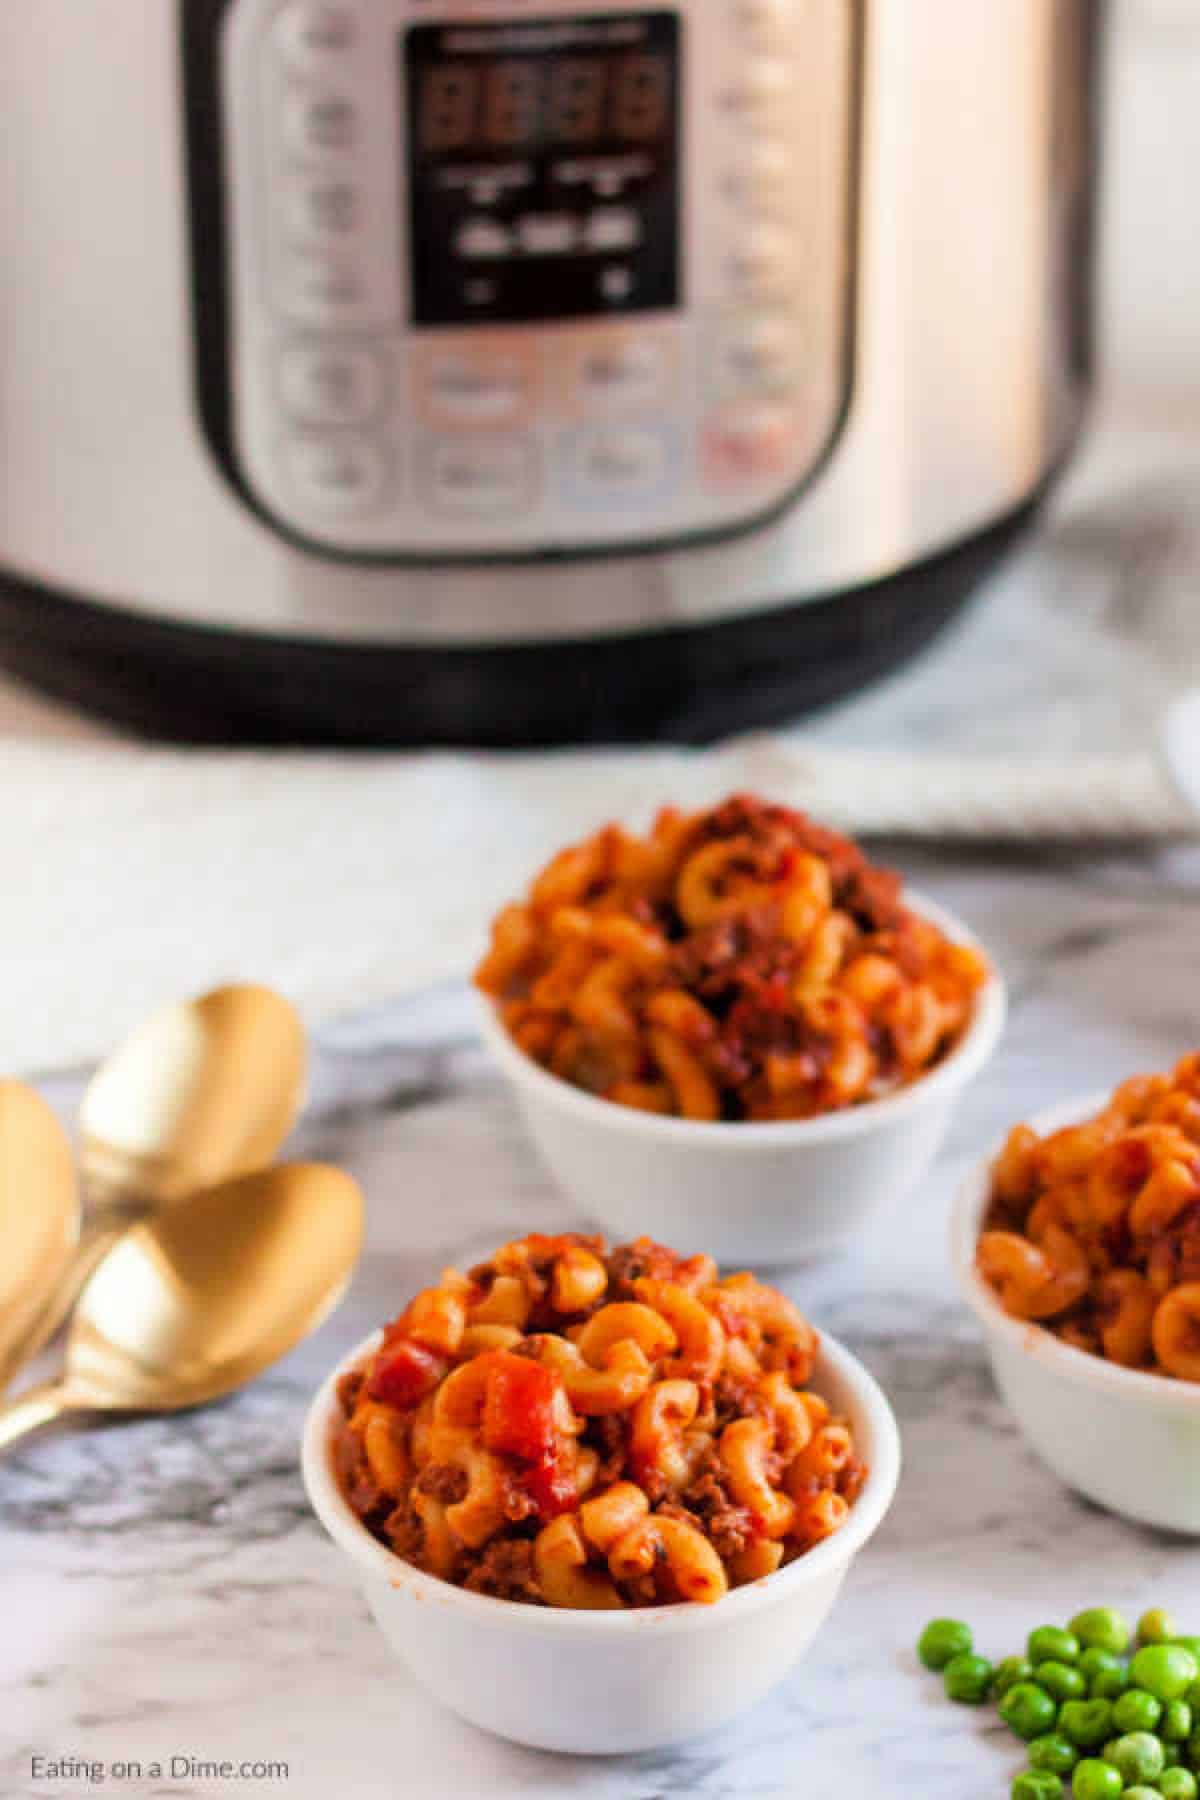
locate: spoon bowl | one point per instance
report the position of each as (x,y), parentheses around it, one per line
(39,1209)
(202,1091)
(199,1299)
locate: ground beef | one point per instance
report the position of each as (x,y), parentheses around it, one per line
(780,830)
(753,1029)
(740,952)
(354,1475)
(404,1532)
(505,1570)
(606,1435)
(872,898)
(349,1387)
(734,1398)
(443,1482)
(728,1526)
(851,1480)
(1173,1259)
(641,1260)
(643,1591)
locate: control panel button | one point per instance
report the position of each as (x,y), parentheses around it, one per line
(476,385)
(619,371)
(547,234)
(481,476)
(762,264)
(336,474)
(747,445)
(763,180)
(481,239)
(323,211)
(613,228)
(311,35)
(622,462)
(616,283)
(330,385)
(318,124)
(758,92)
(321,289)
(759,356)
(767,24)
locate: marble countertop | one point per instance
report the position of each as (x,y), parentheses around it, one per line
(168,1594)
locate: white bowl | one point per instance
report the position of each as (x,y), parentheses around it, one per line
(1127,1440)
(749,1193)
(596,1682)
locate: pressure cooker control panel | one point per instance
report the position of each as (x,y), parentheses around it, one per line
(523,277)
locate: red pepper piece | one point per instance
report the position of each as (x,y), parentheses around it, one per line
(519,1408)
(403,1373)
(551,1485)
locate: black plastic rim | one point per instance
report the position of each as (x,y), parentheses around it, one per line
(196,684)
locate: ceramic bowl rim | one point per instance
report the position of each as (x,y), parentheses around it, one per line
(1025,1335)
(836,1552)
(953,1072)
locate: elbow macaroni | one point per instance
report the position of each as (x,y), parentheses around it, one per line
(1094,1231)
(740,963)
(586,1429)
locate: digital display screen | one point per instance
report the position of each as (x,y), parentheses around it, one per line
(543,167)
(522,103)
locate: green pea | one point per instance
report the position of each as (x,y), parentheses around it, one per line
(1164,1670)
(1177,1784)
(968,1679)
(1142,1793)
(1156,1626)
(1061,1681)
(1086,1722)
(1051,1644)
(1176,1721)
(1036,1784)
(1193,1748)
(1172,1756)
(1028,1710)
(1094,1659)
(1189,1643)
(1009,1672)
(1053,1751)
(1101,1628)
(1096,1780)
(1139,1757)
(942,1640)
(1108,1684)
(1136,1710)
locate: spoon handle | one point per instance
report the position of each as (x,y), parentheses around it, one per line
(95,1241)
(30,1411)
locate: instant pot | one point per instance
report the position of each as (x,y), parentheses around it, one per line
(525,370)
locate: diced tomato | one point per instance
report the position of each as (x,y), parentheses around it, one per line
(519,1408)
(403,1373)
(551,1485)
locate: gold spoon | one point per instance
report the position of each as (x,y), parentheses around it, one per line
(202,1091)
(39,1209)
(199,1299)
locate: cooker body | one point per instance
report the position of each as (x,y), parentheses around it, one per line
(752,393)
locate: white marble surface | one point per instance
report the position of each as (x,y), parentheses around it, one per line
(167,1593)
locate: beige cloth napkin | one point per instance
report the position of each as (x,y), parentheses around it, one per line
(133,875)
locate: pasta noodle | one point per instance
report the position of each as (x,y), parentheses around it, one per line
(1095,1230)
(736,964)
(575,1427)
